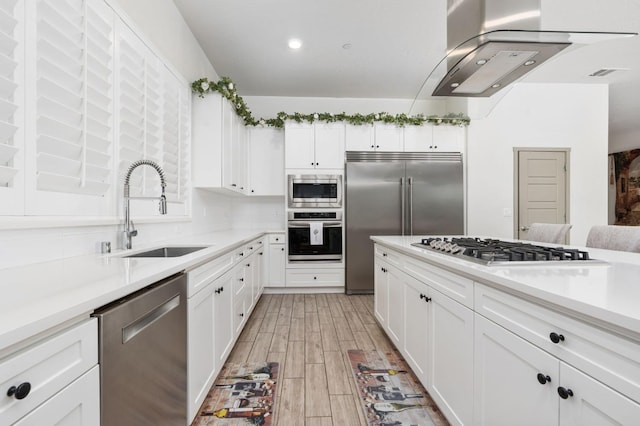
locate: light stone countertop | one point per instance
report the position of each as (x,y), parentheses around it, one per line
(607,292)
(37,297)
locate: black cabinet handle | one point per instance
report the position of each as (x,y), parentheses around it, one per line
(317,164)
(21,391)
(216,291)
(427,299)
(315,278)
(260,253)
(556,338)
(241,254)
(241,279)
(282,249)
(241,314)
(542,379)
(312,164)
(422,296)
(377,146)
(248,265)
(252,191)
(564,393)
(277,239)
(436,146)
(384,254)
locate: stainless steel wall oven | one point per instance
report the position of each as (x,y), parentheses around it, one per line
(314,236)
(312,191)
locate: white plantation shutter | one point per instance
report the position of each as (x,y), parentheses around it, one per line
(154,122)
(11,114)
(73,94)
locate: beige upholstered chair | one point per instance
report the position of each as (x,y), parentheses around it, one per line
(613,237)
(554,233)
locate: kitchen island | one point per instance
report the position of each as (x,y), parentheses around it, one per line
(535,343)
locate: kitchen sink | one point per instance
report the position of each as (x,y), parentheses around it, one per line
(167,252)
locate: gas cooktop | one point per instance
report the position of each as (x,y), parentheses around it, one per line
(491,251)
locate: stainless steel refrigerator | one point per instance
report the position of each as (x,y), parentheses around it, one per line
(397,193)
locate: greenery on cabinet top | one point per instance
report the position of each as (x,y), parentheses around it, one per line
(227,89)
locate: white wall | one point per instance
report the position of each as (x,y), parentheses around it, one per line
(539,115)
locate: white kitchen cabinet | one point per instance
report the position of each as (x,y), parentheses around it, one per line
(448,138)
(418,138)
(359,138)
(277,261)
(507,390)
(222,317)
(76,405)
(395,321)
(593,403)
(201,362)
(219,146)
(257,280)
(314,277)
(388,137)
(266,161)
(415,309)
(45,369)
(380,293)
(450,373)
(314,146)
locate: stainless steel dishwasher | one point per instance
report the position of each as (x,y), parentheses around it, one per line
(143,356)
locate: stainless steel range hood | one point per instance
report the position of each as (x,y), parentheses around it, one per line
(492,43)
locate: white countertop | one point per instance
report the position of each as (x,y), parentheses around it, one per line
(608,292)
(37,297)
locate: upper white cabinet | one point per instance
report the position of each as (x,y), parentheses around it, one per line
(359,138)
(314,146)
(449,138)
(266,161)
(418,138)
(377,137)
(388,137)
(229,156)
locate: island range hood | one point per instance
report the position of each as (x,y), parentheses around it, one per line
(492,43)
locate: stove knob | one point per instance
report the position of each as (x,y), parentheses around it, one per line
(455,249)
(447,247)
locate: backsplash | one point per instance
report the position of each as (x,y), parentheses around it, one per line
(211,212)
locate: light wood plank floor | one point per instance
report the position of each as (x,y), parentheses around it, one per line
(309,336)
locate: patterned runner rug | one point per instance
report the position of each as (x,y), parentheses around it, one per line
(390,392)
(243,394)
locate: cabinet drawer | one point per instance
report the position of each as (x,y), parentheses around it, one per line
(608,357)
(455,286)
(276,238)
(48,367)
(390,256)
(315,278)
(77,404)
(203,275)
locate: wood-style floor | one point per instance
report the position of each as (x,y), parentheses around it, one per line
(309,336)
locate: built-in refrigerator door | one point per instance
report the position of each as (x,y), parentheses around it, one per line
(435,197)
(372,207)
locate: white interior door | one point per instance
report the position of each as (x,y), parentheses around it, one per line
(541,188)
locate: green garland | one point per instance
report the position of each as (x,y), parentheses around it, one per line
(227,89)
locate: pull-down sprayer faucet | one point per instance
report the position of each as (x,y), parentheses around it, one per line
(129,230)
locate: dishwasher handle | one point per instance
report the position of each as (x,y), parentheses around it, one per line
(138,326)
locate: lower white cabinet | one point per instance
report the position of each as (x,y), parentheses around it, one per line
(315,277)
(380,293)
(76,405)
(416,314)
(35,377)
(216,314)
(277,260)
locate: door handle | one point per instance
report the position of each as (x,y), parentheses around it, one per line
(136,327)
(402,196)
(410,181)
(524,228)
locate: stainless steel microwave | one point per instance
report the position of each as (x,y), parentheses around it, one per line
(312,191)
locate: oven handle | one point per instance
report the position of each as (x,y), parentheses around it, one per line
(308,224)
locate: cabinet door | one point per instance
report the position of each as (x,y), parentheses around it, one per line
(266,161)
(222,310)
(329,146)
(416,322)
(381,293)
(359,138)
(227,144)
(239,155)
(388,137)
(506,386)
(299,146)
(250,268)
(418,138)
(76,405)
(277,262)
(395,320)
(450,375)
(449,138)
(201,365)
(592,403)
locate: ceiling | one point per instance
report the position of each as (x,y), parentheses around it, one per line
(386,49)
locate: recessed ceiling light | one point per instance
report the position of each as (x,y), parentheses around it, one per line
(530,62)
(294,43)
(481,61)
(455,84)
(495,86)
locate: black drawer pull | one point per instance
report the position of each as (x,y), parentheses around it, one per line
(21,391)
(564,393)
(556,338)
(543,380)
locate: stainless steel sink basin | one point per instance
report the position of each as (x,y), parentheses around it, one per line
(167,252)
